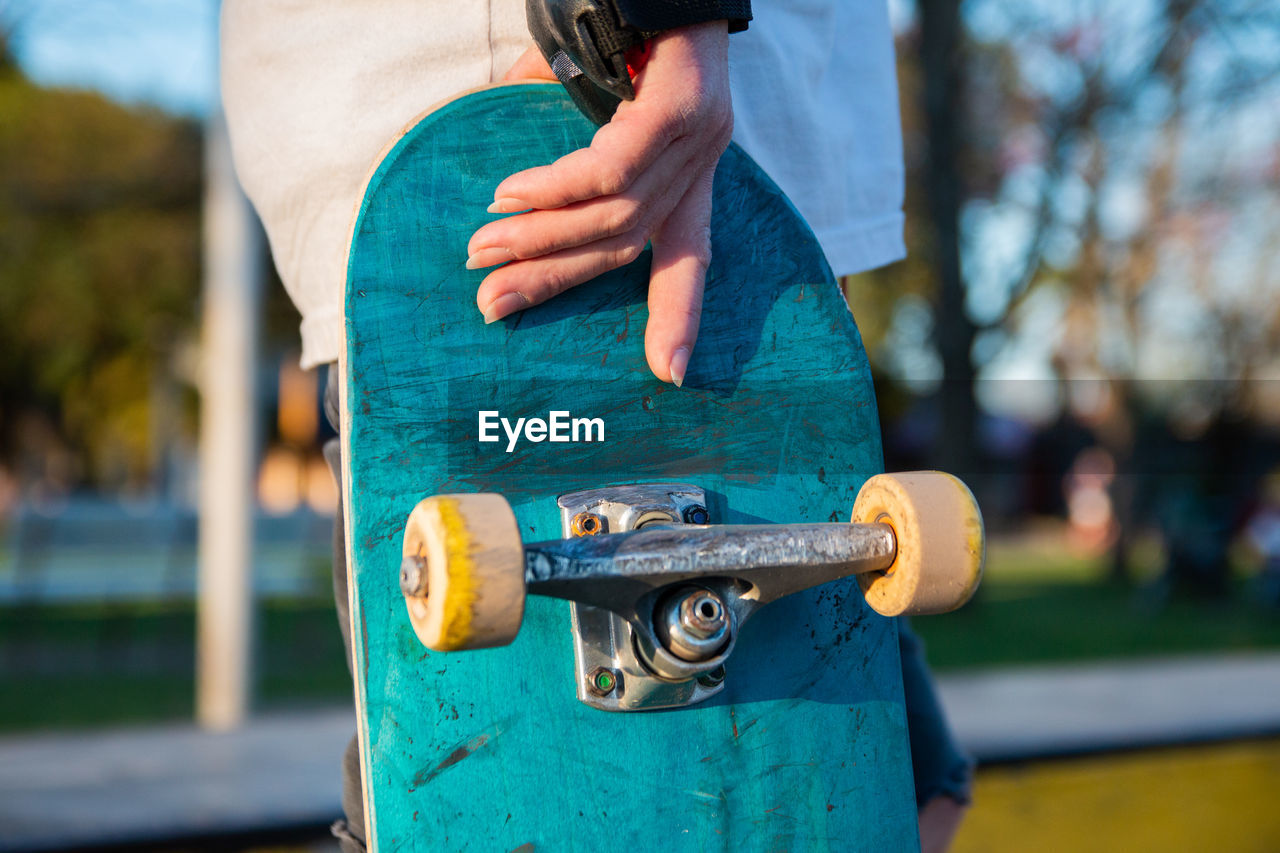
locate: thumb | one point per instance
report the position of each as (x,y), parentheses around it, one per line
(530,66)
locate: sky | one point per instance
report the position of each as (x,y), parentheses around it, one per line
(157,52)
(164,53)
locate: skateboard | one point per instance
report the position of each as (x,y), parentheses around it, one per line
(593,611)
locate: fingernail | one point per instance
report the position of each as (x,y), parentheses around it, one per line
(508,205)
(679,361)
(507,303)
(489,257)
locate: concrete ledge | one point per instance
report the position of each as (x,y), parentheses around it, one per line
(1025,713)
(163,782)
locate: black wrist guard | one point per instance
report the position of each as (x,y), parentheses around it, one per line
(586,42)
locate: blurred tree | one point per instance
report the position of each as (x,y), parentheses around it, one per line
(942,65)
(913,315)
(1098,181)
(99,280)
(1143,184)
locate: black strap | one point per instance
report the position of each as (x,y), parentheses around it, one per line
(586,41)
(659,15)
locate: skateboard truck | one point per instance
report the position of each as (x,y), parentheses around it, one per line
(658,593)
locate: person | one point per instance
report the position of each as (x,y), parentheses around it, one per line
(313,92)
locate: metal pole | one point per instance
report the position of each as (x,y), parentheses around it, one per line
(232,284)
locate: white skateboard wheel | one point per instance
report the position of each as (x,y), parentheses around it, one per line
(474,565)
(940,542)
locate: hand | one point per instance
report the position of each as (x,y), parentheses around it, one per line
(645,177)
(939,819)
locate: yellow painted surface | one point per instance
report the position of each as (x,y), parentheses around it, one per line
(461,590)
(1216,798)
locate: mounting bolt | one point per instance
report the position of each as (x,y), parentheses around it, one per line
(587,524)
(413,576)
(713,678)
(602,681)
(695,515)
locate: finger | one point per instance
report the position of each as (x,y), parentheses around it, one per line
(540,232)
(530,66)
(618,155)
(518,285)
(681,255)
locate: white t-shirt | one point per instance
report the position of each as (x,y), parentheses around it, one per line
(315,89)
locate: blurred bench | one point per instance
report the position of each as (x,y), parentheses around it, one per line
(96,550)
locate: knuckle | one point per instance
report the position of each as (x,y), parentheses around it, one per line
(616,177)
(702,111)
(701,249)
(527,249)
(623,217)
(702,258)
(629,251)
(677,123)
(556,282)
(537,246)
(718,133)
(689,314)
(725,133)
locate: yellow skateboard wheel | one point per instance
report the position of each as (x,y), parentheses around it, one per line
(474,571)
(940,542)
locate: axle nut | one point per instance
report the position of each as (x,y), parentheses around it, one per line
(413,577)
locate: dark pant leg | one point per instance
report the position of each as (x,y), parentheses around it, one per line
(349,832)
(939,765)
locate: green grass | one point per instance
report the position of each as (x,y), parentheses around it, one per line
(1026,623)
(1041,603)
(73,666)
(77,666)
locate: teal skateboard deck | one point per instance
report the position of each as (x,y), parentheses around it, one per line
(805,748)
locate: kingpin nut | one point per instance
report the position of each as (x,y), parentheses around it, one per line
(693,624)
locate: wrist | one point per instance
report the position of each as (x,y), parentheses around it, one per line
(587,42)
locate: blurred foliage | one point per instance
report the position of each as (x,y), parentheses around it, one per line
(89,664)
(1118,173)
(1119,168)
(79,665)
(1031,622)
(99,277)
(897,307)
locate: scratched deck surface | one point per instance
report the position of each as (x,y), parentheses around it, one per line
(806,748)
